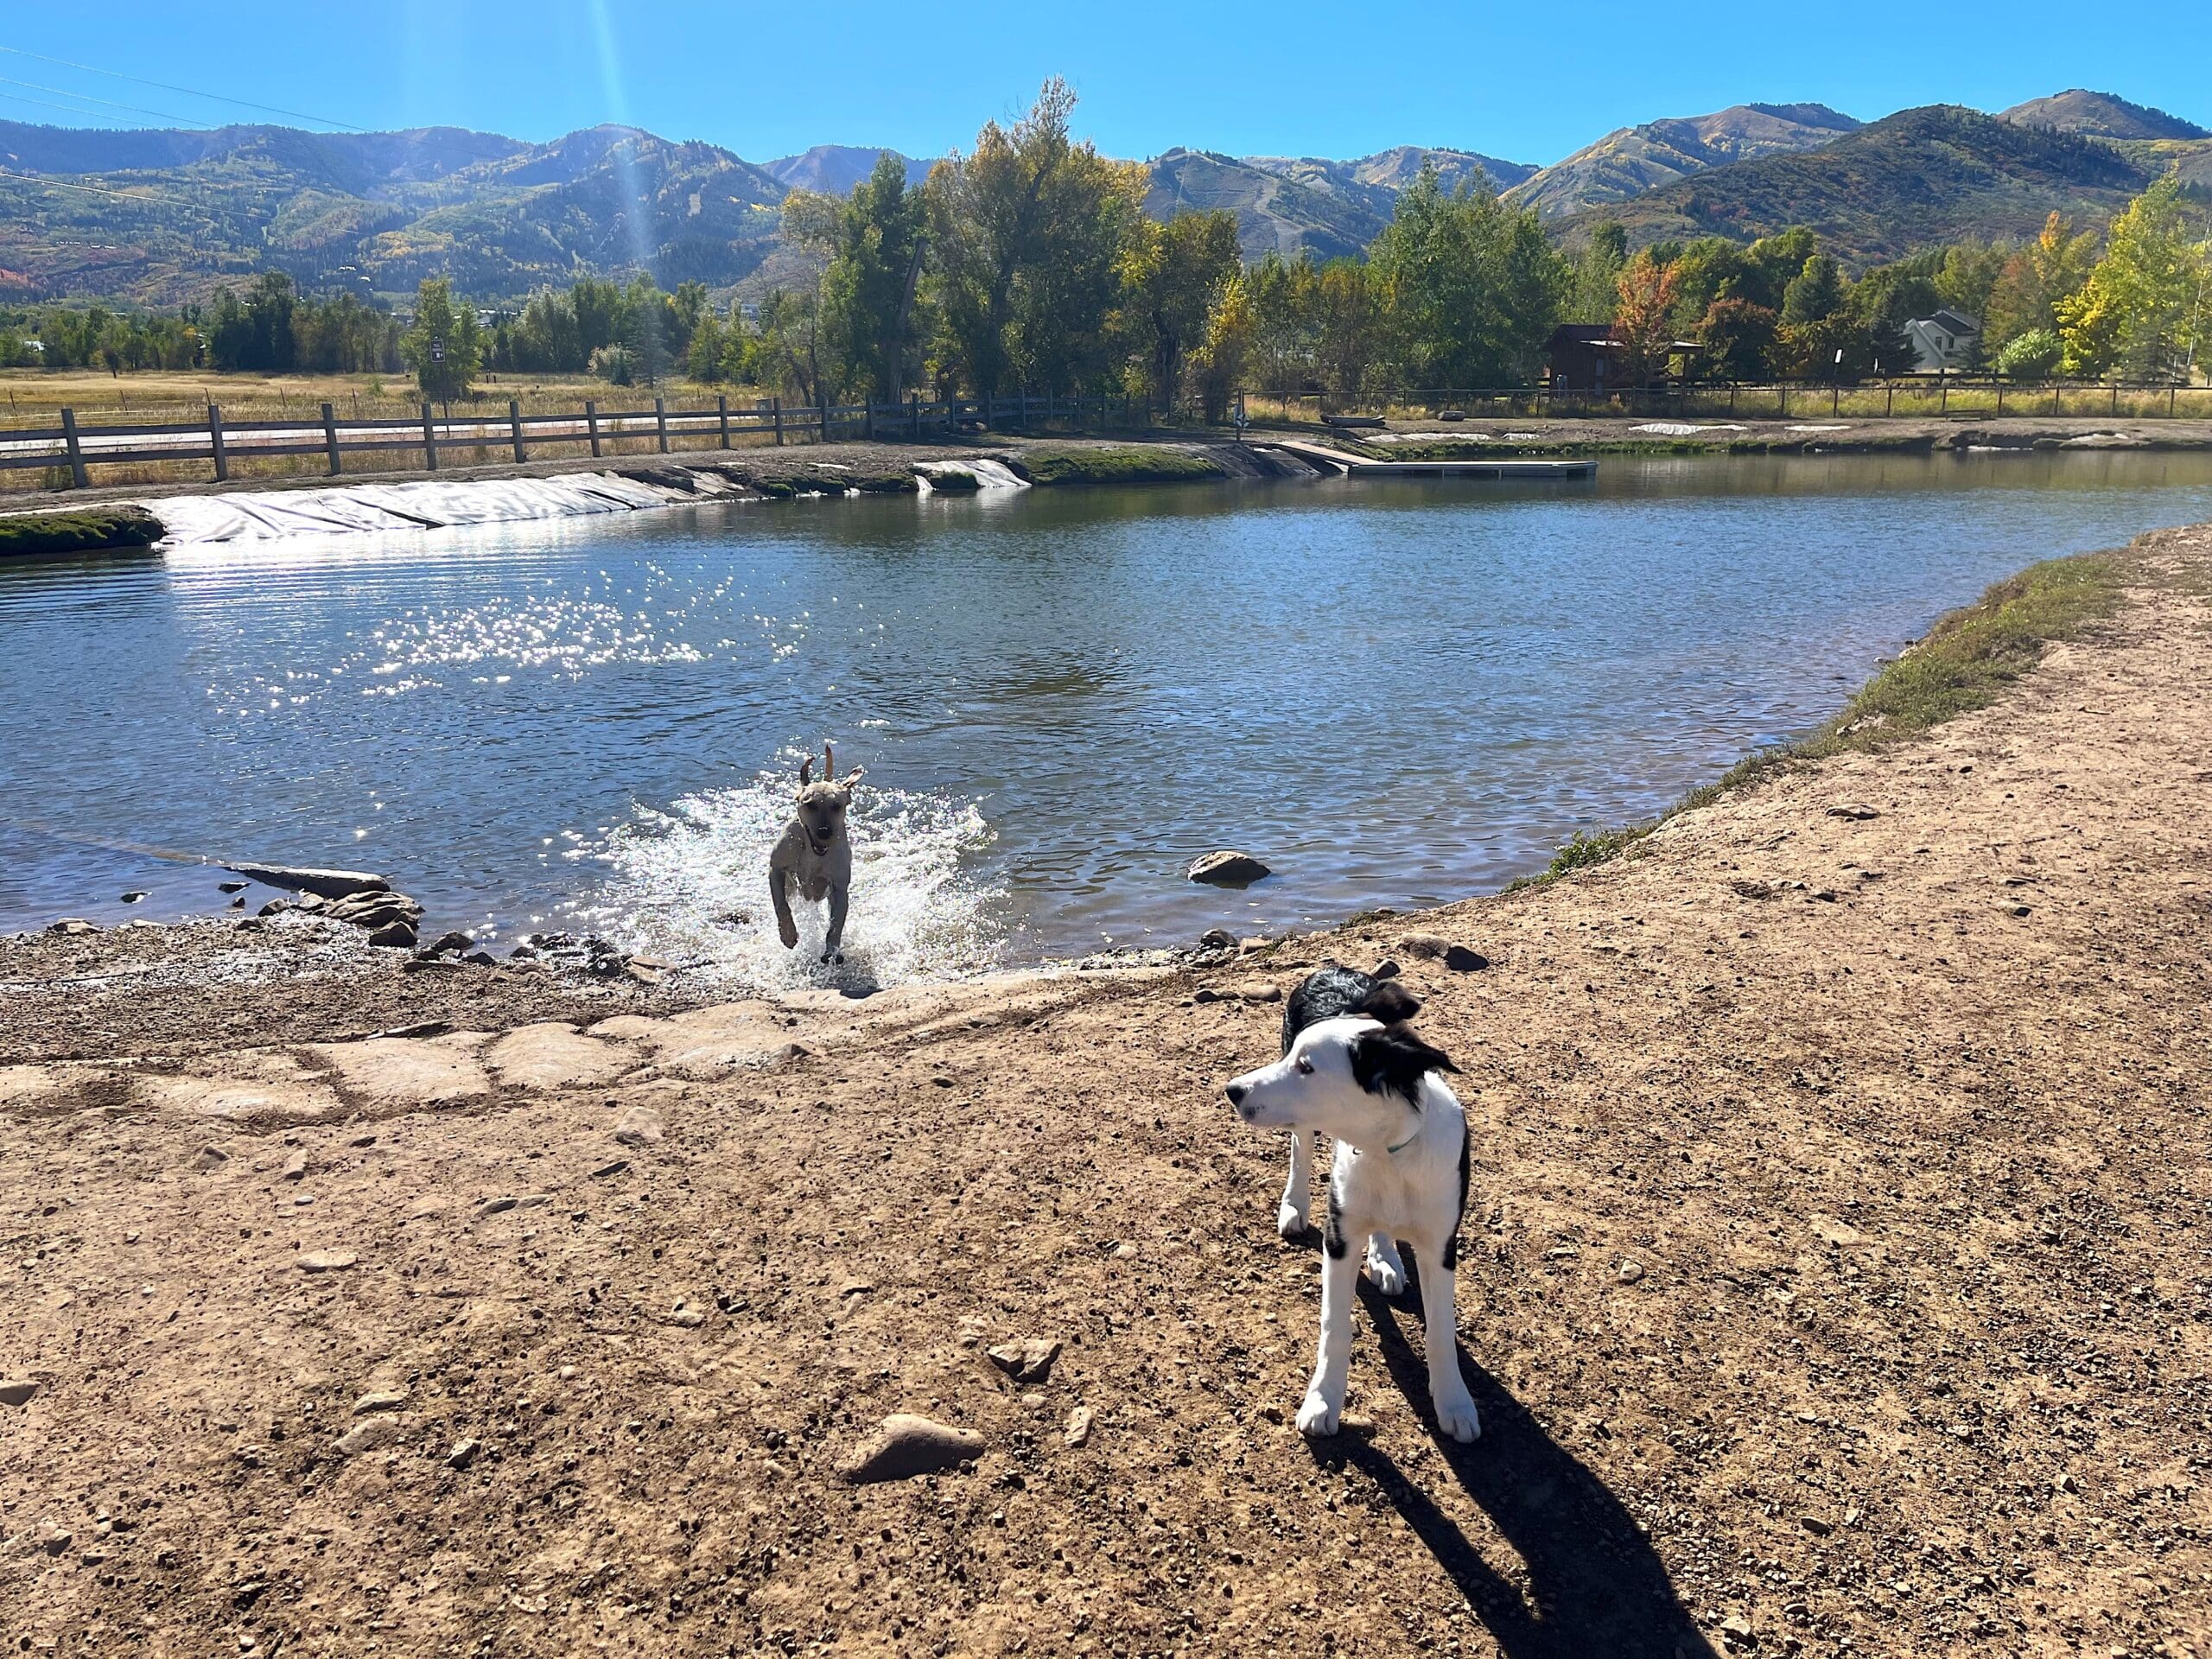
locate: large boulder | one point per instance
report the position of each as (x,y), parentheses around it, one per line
(1229,869)
(327,884)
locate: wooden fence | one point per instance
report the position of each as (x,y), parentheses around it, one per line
(1918,398)
(405,442)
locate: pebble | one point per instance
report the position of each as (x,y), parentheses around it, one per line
(133,896)
(327,1261)
(463,1454)
(296,1167)
(496,1207)
(1815,1525)
(640,1127)
(55,1539)
(1387,969)
(1461,959)
(1857,813)
(1630,1270)
(211,1156)
(1028,1361)
(1217,938)
(71,927)
(18,1392)
(907,1445)
(230,886)
(398,934)
(615,1167)
(385,1401)
(1078,1428)
(1427,946)
(1260,991)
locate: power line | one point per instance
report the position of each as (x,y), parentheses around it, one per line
(91,190)
(87,97)
(189,92)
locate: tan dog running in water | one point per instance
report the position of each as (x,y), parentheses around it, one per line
(816,851)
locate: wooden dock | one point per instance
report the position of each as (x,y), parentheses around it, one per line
(1335,461)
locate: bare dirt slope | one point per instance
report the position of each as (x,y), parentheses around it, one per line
(1835,1281)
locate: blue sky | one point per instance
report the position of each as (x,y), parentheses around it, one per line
(1526,82)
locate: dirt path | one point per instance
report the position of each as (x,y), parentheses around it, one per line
(1835,1277)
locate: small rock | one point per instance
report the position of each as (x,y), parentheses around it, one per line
(366,1436)
(615,1167)
(1461,959)
(1029,1361)
(481,959)
(645,975)
(1260,991)
(1387,969)
(2067,1484)
(459,943)
(1206,994)
(238,903)
(1078,1428)
(1228,869)
(1824,895)
(1630,1270)
(327,884)
(211,1157)
(640,1127)
(18,1392)
(463,1454)
(907,1445)
(275,907)
(54,1540)
(1737,1630)
(497,1206)
(296,1167)
(385,1400)
(327,1261)
(230,886)
(71,927)
(133,896)
(735,918)
(1857,813)
(1427,946)
(1217,938)
(1815,1525)
(400,934)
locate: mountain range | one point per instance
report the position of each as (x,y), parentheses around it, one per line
(160,216)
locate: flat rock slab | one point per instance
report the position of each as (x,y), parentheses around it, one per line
(907,1445)
(556,1056)
(325,1260)
(261,1089)
(33,1087)
(403,1072)
(327,884)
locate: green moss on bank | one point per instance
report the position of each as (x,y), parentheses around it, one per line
(1966,662)
(1125,464)
(88,531)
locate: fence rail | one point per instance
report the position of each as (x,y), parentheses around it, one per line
(433,433)
(1917,397)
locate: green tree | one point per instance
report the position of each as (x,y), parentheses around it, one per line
(2031,355)
(1025,233)
(872,243)
(443,345)
(1471,289)
(1739,338)
(1597,274)
(1815,293)
(2024,298)
(2141,308)
(1222,358)
(1173,276)
(1286,309)
(1348,329)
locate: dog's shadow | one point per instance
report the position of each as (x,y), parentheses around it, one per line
(1594,1584)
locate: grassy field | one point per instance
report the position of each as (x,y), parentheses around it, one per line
(1917,398)
(32,397)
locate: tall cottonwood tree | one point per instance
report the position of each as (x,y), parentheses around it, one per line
(1470,287)
(873,242)
(2142,308)
(1026,233)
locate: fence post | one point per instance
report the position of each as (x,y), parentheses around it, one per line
(76,451)
(2171,391)
(591,424)
(721,414)
(1944,398)
(514,427)
(777,403)
(1784,389)
(330,438)
(2001,400)
(1889,396)
(2054,397)
(821,413)
(215,450)
(660,422)
(867,420)
(2115,396)
(429,440)
(914,414)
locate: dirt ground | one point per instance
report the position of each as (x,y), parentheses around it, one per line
(1834,1277)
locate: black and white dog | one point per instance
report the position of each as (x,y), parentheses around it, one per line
(1354,1070)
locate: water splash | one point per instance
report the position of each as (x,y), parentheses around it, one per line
(678,876)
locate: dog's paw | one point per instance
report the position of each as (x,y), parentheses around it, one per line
(788,931)
(1458,1419)
(832,956)
(1387,1268)
(1290,1222)
(1318,1418)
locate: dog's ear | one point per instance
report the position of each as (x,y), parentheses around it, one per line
(1394,1061)
(854,776)
(806,772)
(1391,1003)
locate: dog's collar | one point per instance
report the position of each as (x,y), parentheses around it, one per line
(1403,1145)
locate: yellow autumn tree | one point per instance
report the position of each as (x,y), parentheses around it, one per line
(2142,308)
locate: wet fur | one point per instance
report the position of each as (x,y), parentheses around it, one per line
(814,854)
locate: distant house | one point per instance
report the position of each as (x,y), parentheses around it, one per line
(1944,341)
(1585,357)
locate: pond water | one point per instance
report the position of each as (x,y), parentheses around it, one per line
(1395,693)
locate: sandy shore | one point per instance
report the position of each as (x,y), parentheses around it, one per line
(1835,1275)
